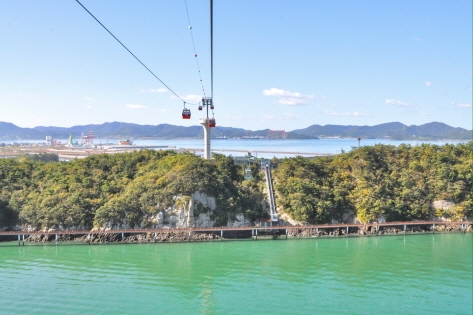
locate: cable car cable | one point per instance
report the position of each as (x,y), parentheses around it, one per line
(211,51)
(132,53)
(193,45)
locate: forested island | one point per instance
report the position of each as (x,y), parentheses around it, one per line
(158,188)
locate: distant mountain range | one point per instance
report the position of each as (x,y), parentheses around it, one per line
(394,130)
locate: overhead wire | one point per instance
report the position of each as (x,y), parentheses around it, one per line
(211,50)
(193,45)
(133,55)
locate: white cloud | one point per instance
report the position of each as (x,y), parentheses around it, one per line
(160,90)
(289,98)
(464,105)
(136,106)
(428,83)
(292,101)
(354,114)
(89,106)
(89,99)
(398,103)
(278,92)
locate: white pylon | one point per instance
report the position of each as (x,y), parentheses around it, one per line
(205,124)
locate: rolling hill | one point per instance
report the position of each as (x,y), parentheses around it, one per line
(394,130)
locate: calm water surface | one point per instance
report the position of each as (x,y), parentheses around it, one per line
(417,274)
(276,148)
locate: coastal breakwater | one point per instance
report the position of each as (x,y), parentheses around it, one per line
(229,233)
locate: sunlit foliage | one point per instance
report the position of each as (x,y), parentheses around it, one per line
(121,188)
(378,182)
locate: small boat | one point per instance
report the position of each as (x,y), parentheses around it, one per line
(125,142)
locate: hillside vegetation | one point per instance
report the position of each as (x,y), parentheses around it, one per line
(378,182)
(371,183)
(129,188)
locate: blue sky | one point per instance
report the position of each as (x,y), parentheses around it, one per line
(277,64)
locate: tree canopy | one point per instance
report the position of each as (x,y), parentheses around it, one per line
(377,182)
(372,183)
(119,188)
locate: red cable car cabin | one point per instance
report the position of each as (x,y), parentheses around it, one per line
(212,106)
(186,113)
(200,107)
(211,122)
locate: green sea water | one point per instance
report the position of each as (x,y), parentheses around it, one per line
(413,274)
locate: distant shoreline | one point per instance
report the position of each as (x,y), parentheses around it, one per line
(119,130)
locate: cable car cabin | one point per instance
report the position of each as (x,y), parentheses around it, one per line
(212,106)
(200,107)
(211,122)
(186,113)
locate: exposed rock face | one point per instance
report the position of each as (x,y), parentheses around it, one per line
(451,227)
(443,204)
(195,211)
(240,221)
(171,236)
(446,207)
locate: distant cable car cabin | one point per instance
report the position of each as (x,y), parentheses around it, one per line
(186,113)
(212,107)
(200,107)
(211,122)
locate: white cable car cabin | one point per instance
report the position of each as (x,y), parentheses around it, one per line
(186,113)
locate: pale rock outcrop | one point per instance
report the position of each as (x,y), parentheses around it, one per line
(183,213)
(446,207)
(240,221)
